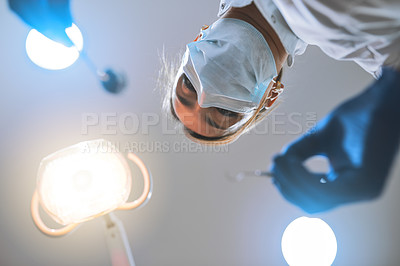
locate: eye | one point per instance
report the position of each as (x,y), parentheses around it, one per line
(188,84)
(226,112)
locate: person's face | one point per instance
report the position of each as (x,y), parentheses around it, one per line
(207,122)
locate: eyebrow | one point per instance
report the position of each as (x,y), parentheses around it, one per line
(212,123)
(174,115)
(209,121)
(183,100)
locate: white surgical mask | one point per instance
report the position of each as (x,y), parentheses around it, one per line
(230,66)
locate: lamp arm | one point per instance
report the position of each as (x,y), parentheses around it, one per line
(40,224)
(147,186)
(117,242)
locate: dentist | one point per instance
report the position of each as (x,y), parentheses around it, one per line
(230,77)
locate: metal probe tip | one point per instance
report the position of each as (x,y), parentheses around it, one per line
(238,177)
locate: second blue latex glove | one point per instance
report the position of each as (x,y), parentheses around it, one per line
(360,138)
(49,17)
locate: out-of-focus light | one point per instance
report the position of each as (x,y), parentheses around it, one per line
(84,181)
(79,182)
(52,55)
(309,242)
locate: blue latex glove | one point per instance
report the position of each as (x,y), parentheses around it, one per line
(49,17)
(360,138)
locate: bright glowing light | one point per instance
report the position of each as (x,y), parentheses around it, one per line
(83,181)
(51,55)
(309,242)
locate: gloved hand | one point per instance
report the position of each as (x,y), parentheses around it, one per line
(49,17)
(360,139)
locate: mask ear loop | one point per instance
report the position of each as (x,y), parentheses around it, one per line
(40,224)
(277,89)
(198,37)
(147,185)
(277,86)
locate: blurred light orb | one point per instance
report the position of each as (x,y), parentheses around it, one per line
(52,55)
(309,242)
(83,181)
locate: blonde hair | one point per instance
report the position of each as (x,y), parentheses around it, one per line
(166,81)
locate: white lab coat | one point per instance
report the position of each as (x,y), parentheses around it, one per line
(364,31)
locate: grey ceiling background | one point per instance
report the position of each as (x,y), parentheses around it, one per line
(196,216)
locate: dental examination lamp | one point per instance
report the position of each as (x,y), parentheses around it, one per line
(309,242)
(55,42)
(306,241)
(85,181)
(53,55)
